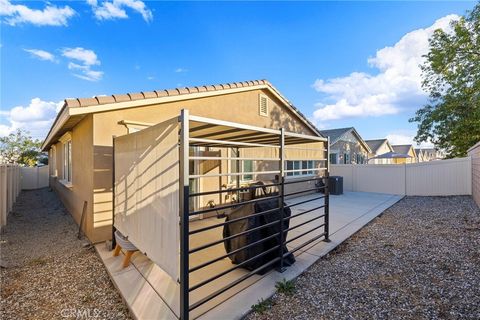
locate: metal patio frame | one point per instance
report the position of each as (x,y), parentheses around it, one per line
(206,132)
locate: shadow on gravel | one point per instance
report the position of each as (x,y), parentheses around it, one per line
(47,273)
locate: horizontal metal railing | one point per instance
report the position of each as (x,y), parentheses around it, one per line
(229,206)
(310,223)
(258,242)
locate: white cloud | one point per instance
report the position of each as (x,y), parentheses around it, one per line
(41,54)
(20,14)
(37,117)
(87,59)
(397,85)
(115,9)
(90,75)
(180,70)
(406,137)
(86,56)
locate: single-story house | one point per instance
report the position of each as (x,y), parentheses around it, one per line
(378,147)
(80,141)
(406,149)
(347,146)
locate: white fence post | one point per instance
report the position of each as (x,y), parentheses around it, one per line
(3,195)
(9,190)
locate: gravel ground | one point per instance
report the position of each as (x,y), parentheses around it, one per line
(419,260)
(45,271)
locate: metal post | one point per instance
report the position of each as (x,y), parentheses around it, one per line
(238,163)
(114,241)
(281,199)
(184,201)
(327,195)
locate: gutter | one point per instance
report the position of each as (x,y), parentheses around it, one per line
(60,120)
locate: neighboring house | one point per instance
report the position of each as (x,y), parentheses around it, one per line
(80,140)
(431,154)
(379,147)
(406,149)
(421,156)
(347,146)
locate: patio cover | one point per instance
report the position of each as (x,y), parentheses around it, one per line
(147,182)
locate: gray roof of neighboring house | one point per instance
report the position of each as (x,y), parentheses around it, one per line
(336,134)
(392,155)
(402,148)
(375,144)
(418,151)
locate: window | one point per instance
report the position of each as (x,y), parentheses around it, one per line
(134,126)
(66,140)
(360,158)
(263,105)
(346,158)
(53,161)
(133,129)
(333,158)
(301,165)
(67,162)
(246,166)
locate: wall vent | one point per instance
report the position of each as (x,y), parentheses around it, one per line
(263,105)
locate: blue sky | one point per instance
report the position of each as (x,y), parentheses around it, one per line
(341,63)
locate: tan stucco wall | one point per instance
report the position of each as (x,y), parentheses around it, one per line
(238,107)
(94,165)
(82,175)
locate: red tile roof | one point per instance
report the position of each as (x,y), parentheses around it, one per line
(98,100)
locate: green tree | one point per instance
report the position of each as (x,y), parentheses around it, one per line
(451,75)
(19,147)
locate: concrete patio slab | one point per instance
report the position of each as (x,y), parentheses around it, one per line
(151,294)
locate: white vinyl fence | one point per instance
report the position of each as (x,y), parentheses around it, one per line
(434,178)
(9,189)
(13,179)
(34,177)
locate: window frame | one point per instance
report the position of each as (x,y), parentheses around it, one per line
(52,161)
(301,164)
(232,167)
(336,158)
(67,163)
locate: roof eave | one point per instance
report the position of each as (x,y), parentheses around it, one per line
(68,111)
(60,119)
